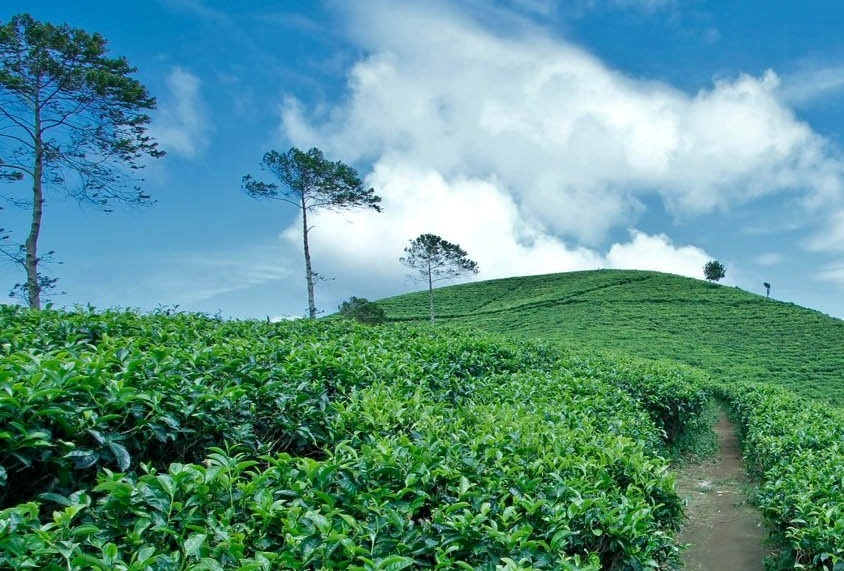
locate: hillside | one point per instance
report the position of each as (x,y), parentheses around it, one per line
(732,334)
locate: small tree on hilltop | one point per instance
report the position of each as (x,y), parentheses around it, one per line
(311,182)
(363,310)
(435,259)
(714,270)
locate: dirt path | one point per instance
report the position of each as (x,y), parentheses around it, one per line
(725,532)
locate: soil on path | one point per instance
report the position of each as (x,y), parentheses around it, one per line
(725,532)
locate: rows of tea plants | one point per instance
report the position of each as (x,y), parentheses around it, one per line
(729,333)
(674,396)
(796,448)
(172,441)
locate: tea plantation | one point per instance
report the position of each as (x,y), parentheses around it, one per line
(184,442)
(778,368)
(177,441)
(732,334)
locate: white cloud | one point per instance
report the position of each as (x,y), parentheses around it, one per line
(768,259)
(657,253)
(477,215)
(527,151)
(833,273)
(474,213)
(812,83)
(576,145)
(190,279)
(831,236)
(181,125)
(710,35)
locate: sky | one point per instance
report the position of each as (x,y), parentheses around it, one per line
(541,136)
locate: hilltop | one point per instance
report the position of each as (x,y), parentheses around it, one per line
(730,333)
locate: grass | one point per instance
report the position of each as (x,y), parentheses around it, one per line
(729,333)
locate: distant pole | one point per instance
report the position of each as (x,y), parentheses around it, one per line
(767,289)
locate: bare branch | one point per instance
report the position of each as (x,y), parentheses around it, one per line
(18,139)
(17,122)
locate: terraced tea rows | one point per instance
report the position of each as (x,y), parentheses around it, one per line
(178,441)
(731,334)
(792,435)
(796,449)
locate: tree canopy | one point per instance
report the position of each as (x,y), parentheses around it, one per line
(71,119)
(435,259)
(362,310)
(714,270)
(311,182)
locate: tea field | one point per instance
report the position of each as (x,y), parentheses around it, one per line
(177,441)
(732,334)
(778,368)
(174,441)
(795,449)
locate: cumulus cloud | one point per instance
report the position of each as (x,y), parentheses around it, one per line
(658,253)
(182,125)
(528,151)
(575,144)
(474,213)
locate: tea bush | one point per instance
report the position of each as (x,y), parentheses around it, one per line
(796,448)
(173,441)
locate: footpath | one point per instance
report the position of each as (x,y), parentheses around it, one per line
(725,532)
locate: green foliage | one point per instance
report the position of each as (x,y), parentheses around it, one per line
(714,270)
(311,182)
(65,76)
(435,259)
(362,310)
(796,448)
(731,334)
(175,441)
(71,118)
(792,440)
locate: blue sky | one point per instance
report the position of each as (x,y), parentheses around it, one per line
(541,136)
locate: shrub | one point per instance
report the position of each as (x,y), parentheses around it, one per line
(363,310)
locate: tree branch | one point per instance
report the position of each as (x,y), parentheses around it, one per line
(15,120)
(18,139)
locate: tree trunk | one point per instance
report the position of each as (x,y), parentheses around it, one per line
(309,274)
(430,292)
(33,285)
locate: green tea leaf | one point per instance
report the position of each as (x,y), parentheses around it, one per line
(82,458)
(194,543)
(121,455)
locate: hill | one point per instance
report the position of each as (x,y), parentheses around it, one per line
(732,334)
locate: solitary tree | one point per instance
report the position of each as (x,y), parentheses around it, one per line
(310,182)
(714,270)
(767,289)
(435,259)
(71,118)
